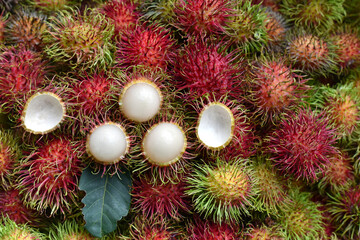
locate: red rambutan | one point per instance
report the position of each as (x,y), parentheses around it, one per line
(149,46)
(202,17)
(49,176)
(275,27)
(302,144)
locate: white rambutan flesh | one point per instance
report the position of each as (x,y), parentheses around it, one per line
(164,144)
(107,143)
(141,100)
(215,126)
(43,113)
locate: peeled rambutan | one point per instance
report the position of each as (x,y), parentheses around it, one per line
(21,71)
(344,208)
(224,191)
(69,230)
(275,88)
(203,68)
(311,53)
(13,206)
(10,230)
(202,17)
(149,46)
(159,199)
(347,41)
(49,175)
(81,39)
(316,15)
(26,29)
(122,14)
(302,144)
(199,229)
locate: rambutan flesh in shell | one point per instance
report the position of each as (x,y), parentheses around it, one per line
(108,143)
(159,199)
(13,206)
(140,100)
(302,144)
(164,144)
(43,113)
(203,68)
(21,71)
(202,17)
(49,176)
(149,46)
(224,192)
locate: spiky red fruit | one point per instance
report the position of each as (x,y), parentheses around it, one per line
(207,230)
(206,68)
(21,71)
(122,14)
(49,178)
(12,205)
(303,144)
(275,27)
(202,16)
(160,199)
(348,48)
(276,88)
(9,153)
(150,46)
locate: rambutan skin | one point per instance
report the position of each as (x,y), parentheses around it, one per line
(149,46)
(48,178)
(302,144)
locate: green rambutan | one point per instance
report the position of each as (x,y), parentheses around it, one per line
(122,14)
(344,208)
(263,232)
(302,144)
(246,27)
(26,28)
(275,88)
(10,230)
(316,15)
(205,68)
(303,219)
(21,72)
(80,39)
(311,53)
(52,5)
(48,177)
(202,17)
(13,206)
(161,11)
(224,191)
(149,46)
(159,199)
(69,230)
(9,156)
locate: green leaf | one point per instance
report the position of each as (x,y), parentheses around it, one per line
(107,200)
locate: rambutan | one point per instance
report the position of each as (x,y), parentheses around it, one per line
(202,17)
(263,232)
(80,39)
(21,71)
(122,14)
(302,144)
(159,199)
(3,22)
(303,219)
(311,53)
(26,29)
(161,11)
(347,41)
(199,229)
(315,15)
(49,175)
(10,230)
(203,68)
(276,27)
(344,208)
(52,5)
(149,46)
(225,191)
(275,88)
(246,27)
(9,156)
(69,230)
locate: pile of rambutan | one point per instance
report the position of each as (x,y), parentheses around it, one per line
(212,119)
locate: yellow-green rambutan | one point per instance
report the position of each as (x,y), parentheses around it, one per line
(9,230)
(69,230)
